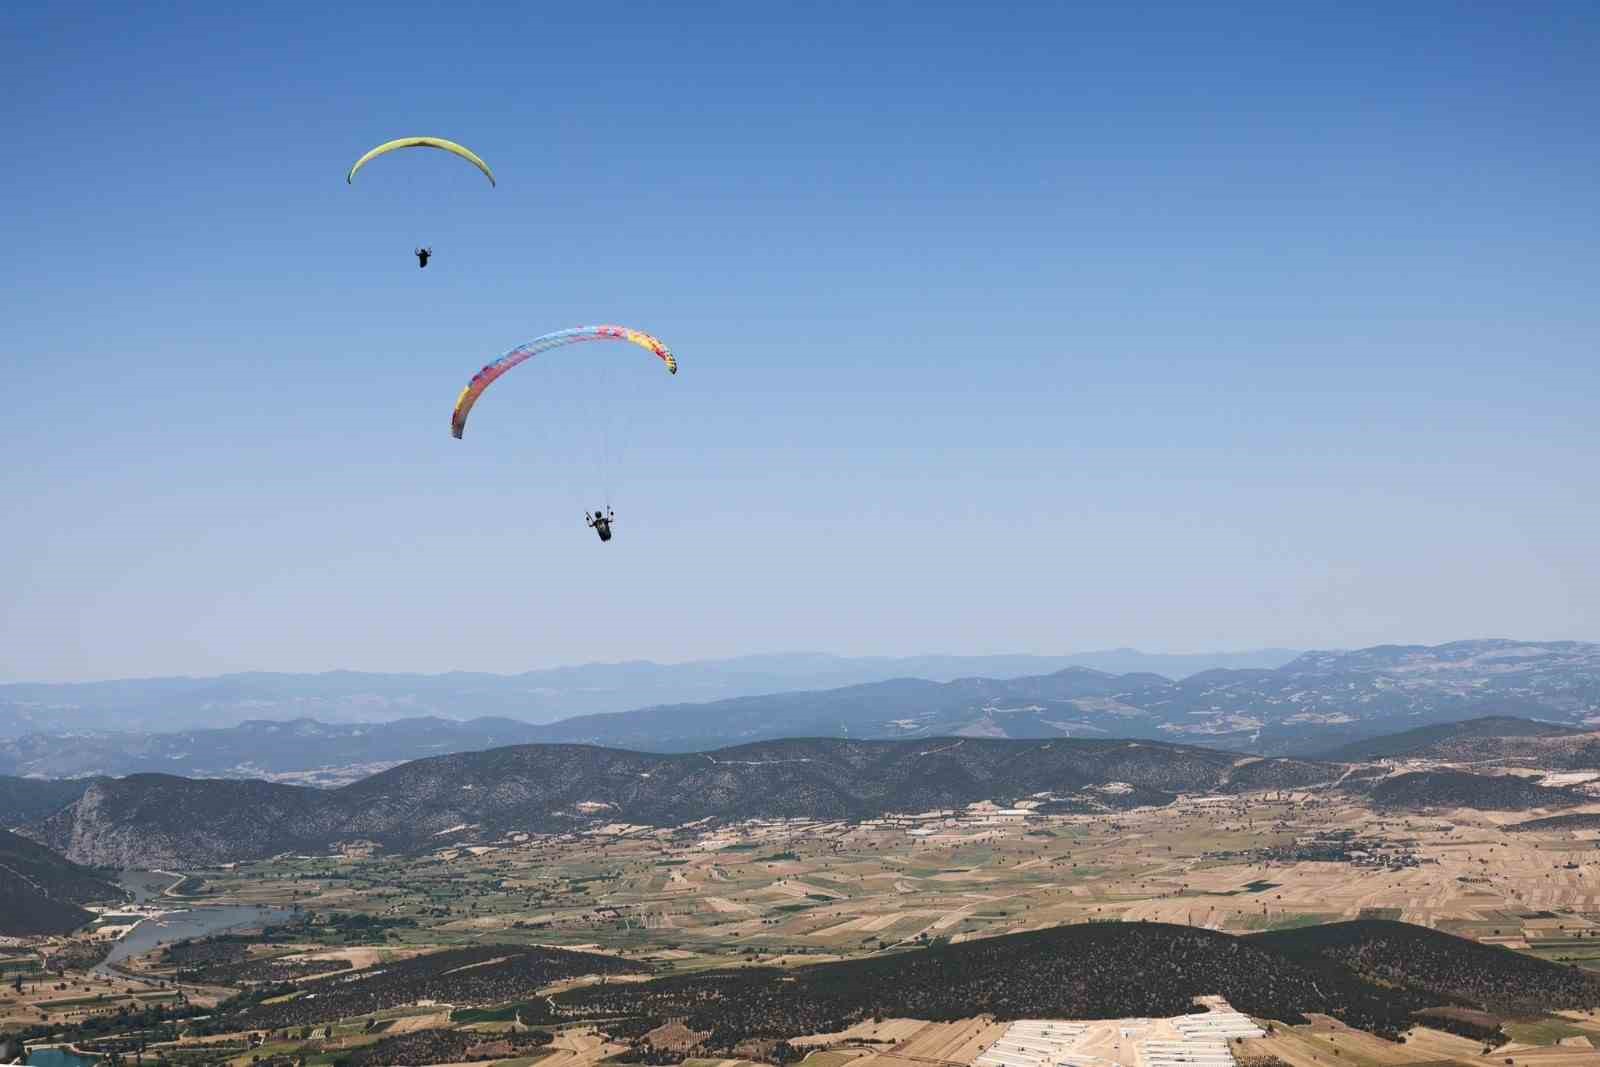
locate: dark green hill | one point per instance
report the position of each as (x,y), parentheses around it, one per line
(157,820)
(480,974)
(24,800)
(1428,963)
(1372,975)
(1087,971)
(40,892)
(1437,739)
(1583,820)
(1461,789)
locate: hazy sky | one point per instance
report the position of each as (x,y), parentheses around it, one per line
(1003,328)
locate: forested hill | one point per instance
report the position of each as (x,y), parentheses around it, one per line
(162,819)
(1487,737)
(40,892)
(1376,976)
(24,800)
(1462,789)
(1429,963)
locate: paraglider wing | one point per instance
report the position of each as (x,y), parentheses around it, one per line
(422,142)
(522,353)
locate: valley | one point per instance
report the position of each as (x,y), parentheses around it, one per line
(840,900)
(757,897)
(801,890)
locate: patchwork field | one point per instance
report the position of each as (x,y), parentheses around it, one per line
(783,894)
(803,891)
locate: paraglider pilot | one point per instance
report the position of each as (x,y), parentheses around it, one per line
(600,524)
(422,255)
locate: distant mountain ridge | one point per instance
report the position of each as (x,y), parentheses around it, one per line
(1311,704)
(303,750)
(1319,703)
(168,704)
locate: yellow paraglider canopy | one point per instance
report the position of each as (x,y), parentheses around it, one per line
(422,142)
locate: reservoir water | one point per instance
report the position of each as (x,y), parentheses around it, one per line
(194,922)
(57,1057)
(146,885)
(183,923)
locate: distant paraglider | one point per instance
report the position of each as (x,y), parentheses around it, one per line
(442,145)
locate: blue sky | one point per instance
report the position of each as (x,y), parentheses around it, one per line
(1027,328)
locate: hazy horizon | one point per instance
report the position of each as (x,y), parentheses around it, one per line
(781,654)
(1000,329)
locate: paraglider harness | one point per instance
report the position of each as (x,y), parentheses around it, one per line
(600,524)
(422,255)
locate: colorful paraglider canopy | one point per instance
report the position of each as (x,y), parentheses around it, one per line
(422,142)
(522,353)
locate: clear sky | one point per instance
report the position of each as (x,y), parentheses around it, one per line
(1003,328)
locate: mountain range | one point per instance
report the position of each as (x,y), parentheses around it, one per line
(475,797)
(1318,703)
(1315,702)
(304,751)
(167,704)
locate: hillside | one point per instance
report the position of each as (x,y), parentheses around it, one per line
(1435,965)
(25,800)
(155,820)
(1460,789)
(1374,976)
(1097,970)
(482,974)
(1469,739)
(480,795)
(1583,820)
(40,892)
(1552,747)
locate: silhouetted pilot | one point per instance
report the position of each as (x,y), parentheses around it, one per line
(601,524)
